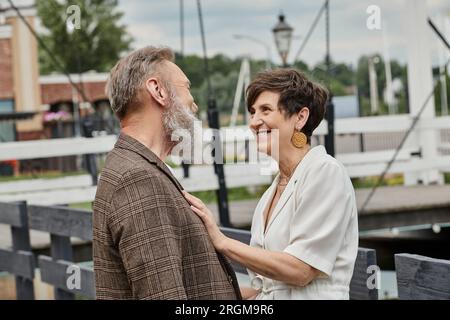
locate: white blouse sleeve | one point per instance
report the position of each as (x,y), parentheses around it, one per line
(325,201)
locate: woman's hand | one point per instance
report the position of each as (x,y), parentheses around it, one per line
(249,293)
(217,237)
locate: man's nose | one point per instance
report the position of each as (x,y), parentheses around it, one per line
(194,107)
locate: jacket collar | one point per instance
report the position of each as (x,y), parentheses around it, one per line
(126,142)
(309,158)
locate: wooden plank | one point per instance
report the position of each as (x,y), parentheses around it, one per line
(441,163)
(20,263)
(58,273)
(10,214)
(242,236)
(374,156)
(61,221)
(53,197)
(55,147)
(61,249)
(21,241)
(359,289)
(390,217)
(422,278)
(237,234)
(34,185)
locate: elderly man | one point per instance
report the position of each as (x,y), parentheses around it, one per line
(148,243)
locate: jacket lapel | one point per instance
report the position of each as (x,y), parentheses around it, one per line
(287,193)
(285,196)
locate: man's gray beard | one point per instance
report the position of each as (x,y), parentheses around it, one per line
(178,117)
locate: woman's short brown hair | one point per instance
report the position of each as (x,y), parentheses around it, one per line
(296,91)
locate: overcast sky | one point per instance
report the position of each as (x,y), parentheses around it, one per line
(156,22)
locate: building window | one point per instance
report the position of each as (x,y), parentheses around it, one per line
(7,128)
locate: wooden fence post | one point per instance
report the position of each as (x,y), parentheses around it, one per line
(21,241)
(61,249)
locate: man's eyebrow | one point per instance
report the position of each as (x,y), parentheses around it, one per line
(265,105)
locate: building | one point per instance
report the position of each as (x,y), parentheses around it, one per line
(51,98)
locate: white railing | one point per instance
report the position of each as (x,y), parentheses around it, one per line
(359,164)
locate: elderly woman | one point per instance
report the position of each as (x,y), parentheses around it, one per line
(305,229)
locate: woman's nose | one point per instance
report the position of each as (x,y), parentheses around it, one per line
(254,122)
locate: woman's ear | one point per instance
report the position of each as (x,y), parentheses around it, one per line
(302,118)
(157,91)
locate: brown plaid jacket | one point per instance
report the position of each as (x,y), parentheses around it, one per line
(148,243)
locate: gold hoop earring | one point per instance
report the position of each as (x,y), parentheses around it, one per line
(299,139)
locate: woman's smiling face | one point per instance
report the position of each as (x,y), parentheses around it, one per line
(269,124)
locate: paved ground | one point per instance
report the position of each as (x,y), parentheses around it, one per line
(386,199)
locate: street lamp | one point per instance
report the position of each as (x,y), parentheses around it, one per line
(265,45)
(283,35)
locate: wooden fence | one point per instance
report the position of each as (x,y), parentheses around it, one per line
(418,277)
(62,223)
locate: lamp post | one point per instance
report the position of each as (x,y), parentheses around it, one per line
(265,45)
(283,35)
(329,114)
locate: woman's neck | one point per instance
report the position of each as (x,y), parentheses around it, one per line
(289,162)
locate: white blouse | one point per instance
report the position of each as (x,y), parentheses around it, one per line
(316,221)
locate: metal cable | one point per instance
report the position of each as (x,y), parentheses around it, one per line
(413,124)
(310,31)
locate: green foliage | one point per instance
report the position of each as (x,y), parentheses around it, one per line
(98,43)
(437,94)
(224,76)
(447,177)
(81,205)
(234,194)
(369,182)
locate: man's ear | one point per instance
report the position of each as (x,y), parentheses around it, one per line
(302,117)
(157,91)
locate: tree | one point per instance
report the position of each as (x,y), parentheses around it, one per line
(96,45)
(362,81)
(340,80)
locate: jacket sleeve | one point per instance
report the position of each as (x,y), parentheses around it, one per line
(146,230)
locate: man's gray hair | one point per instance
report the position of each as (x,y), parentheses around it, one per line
(129,74)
